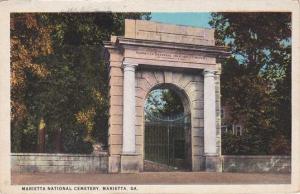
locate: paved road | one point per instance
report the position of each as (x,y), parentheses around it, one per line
(152,178)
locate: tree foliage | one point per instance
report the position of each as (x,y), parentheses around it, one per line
(29,39)
(59,77)
(164,103)
(256,80)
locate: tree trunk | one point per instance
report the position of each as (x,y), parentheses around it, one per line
(58,140)
(41,136)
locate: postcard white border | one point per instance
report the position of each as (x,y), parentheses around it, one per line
(6,7)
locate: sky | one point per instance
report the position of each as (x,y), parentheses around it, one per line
(197,19)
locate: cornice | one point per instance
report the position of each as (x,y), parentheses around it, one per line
(218,51)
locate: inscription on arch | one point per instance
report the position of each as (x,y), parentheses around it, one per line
(170,55)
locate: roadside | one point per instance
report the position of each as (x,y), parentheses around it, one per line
(151,178)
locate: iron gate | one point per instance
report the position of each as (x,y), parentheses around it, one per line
(167,140)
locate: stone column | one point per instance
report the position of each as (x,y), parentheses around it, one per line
(209,113)
(129,157)
(210,138)
(129,109)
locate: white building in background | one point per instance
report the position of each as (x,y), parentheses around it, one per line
(228,126)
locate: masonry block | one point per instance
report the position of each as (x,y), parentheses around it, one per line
(116,129)
(159,76)
(168,77)
(197,150)
(143,84)
(150,78)
(116,72)
(115,119)
(138,130)
(198,141)
(184,81)
(130,163)
(116,90)
(198,104)
(198,163)
(116,139)
(115,149)
(116,100)
(139,102)
(176,77)
(197,114)
(114,164)
(115,56)
(138,140)
(140,93)
(213,164)
(139,110)
(116,81)
(198,122)
(116,110)
(198,131)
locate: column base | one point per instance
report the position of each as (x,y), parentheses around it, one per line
(198,163)
(130,163)
(114,164)
(213,163)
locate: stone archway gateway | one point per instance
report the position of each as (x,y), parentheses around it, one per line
(167,136)
(151,54)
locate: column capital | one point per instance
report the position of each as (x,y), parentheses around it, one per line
(129,66)
(209,73)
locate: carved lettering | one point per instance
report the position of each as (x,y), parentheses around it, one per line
(174,56)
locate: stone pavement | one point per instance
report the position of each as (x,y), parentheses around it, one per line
(152,178)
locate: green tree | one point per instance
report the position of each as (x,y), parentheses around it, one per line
(59,77)
(29,39)
(164,103)
(256,82)
(173,104)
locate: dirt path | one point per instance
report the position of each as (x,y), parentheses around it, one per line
(152,178)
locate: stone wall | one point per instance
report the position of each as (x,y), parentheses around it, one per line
(275,164)
(82,163)
(59,163)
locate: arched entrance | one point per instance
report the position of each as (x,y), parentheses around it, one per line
(148,55)
(167,129)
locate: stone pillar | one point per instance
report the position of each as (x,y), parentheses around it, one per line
(129,109)
(129,162)
(210,138)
